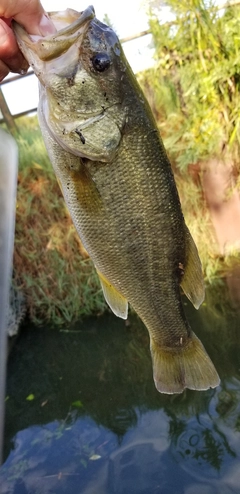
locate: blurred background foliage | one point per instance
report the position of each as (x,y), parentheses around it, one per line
(194,86)
(193,90)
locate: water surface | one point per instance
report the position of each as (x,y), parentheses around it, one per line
(83,415)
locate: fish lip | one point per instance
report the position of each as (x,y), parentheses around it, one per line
(85,16)
(41,46)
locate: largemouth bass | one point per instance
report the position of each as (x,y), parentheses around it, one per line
(118,185)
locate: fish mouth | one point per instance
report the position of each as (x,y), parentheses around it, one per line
(52,46)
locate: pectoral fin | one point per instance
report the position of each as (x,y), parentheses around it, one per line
(192,282)
(115,300)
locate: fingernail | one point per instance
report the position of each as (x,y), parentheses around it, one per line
(46,26)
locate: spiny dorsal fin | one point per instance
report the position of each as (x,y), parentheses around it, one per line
(192,282)
(115,300)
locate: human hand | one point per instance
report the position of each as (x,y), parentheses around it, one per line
(31,15)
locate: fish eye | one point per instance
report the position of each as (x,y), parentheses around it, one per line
(101,61)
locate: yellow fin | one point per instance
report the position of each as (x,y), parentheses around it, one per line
(186,367)
(192,282)
(60,185)
(115,300)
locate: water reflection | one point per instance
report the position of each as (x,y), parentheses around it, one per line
(94,423)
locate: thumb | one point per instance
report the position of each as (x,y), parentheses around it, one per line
(31,15)
(36,24)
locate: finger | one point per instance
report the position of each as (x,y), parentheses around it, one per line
(42,26)
(33,18)
(4,70)
(30,14)
(10,54)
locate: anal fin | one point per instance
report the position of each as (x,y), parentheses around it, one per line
(192,282)
(115,300)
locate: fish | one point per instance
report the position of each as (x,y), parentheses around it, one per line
(118,184)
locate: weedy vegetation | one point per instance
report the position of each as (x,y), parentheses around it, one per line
(194,85)
(193,90)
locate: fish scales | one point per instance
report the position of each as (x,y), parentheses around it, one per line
(142,274)
(118,184)
(134,274)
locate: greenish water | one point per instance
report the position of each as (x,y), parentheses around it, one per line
(83,415)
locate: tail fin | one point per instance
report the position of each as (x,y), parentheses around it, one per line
(185,367)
